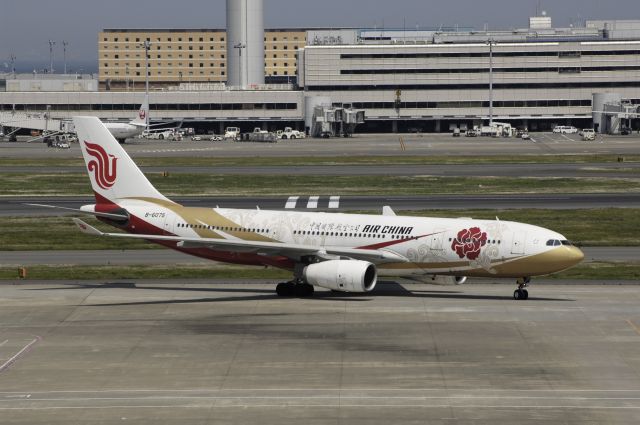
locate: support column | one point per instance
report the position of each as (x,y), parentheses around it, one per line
(438,125)
(394,126)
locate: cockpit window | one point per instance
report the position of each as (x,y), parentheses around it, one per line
(556,242)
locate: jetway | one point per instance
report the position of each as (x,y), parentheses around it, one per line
(612,115)
(333,121)
(34,121)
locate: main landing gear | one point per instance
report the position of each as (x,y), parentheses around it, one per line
(295,288)
(521,293)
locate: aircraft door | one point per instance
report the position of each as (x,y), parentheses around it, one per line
(169,223)
(518,243)
(435,241)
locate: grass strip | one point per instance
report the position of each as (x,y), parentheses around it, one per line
(330,160)
(601,271)
(25,184)
(587,272)
(588,227)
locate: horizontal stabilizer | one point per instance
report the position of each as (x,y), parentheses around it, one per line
(79,211)
(86,228)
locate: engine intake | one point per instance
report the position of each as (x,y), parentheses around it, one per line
(342,275)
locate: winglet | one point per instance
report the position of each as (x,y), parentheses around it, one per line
(87,229)
(388,211)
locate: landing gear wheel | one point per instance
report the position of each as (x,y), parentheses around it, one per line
(292,289)
(285,289)
(520,294)
(304,290)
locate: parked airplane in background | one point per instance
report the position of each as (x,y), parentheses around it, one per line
(124,131)
(340,252)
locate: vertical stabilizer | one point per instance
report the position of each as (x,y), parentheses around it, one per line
(142,119)
(113,173)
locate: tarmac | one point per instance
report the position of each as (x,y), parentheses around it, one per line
(359,145)
(230,351)
(218,353)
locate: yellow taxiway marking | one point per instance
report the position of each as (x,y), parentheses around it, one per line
(634,326)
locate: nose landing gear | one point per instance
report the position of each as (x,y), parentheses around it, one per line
(521,293)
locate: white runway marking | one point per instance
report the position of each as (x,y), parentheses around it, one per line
(292,202)
(13,359)
(313,202)
(4,342)
(334,202)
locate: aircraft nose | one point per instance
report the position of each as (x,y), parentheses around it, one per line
(571,256)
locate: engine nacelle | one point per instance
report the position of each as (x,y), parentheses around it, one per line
(447,280)
(342,275)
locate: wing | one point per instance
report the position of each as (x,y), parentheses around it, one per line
(293,251)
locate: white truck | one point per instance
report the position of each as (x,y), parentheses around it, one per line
(588,134)
(162,135)
(232,133)
(289,133)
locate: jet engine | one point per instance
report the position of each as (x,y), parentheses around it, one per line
(342,275)
(446,280)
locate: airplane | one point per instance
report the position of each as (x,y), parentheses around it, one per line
(124,131)
(335,251)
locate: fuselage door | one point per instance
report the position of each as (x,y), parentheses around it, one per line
(169,223)
(435,241)
(518,243)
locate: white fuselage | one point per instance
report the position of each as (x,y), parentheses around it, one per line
(432,246)
(122,131)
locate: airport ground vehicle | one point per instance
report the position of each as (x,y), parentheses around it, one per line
(196,138)
(472,132)
(290,133)
(625,131)
(216,138)
(588,134)
(565,129)
(340,252)
(232,133)
(162,135)
(456,132)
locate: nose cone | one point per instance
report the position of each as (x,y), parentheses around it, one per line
(568,256)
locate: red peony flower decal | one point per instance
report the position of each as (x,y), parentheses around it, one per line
(469,243)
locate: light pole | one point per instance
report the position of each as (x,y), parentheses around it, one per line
(64,54)
(147,47)
(13,64)
(490,42)
(51,44)
(240,46)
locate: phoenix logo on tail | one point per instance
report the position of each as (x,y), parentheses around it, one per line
(104,170)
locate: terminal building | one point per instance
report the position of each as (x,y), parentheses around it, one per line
(404,80)
(188,56)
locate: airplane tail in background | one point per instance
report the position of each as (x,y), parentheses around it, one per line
(113,174)
(142,120)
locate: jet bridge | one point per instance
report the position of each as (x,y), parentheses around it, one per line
(34,121)
(334,121)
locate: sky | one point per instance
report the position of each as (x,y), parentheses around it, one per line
(26,26)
